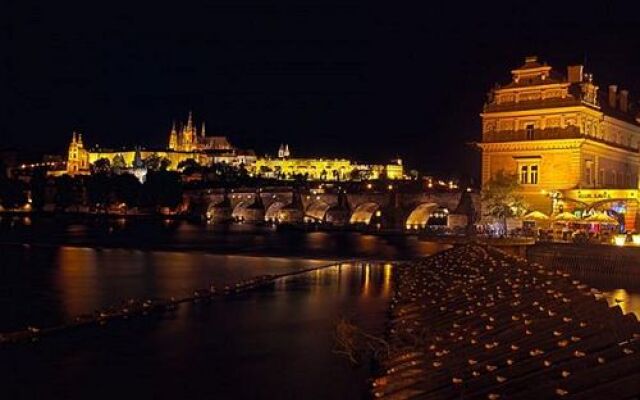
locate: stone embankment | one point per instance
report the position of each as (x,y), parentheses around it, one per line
(476,323)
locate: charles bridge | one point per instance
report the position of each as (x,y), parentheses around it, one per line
(389,209)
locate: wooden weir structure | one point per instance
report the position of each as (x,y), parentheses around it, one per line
(474,322)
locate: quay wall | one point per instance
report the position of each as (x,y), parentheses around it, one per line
(593,258)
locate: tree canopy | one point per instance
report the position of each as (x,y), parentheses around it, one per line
(501,199)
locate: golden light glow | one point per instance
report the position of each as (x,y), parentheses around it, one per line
(619,240)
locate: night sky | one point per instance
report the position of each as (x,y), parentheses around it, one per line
(342,79)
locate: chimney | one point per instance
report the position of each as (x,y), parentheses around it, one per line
(612,95)
(624,100)
(574,73)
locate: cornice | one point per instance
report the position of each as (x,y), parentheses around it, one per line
(540,111)
(531,145)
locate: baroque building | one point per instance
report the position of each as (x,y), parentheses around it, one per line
(570,143)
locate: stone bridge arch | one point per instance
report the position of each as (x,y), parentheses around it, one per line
(317,210)
(248,211)
(419,215)
(273,211)
(364,213)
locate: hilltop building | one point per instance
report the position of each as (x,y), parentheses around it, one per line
(184,143)
(187,142)
(286,167)
(572,145)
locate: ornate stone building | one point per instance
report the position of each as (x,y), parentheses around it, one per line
(188,139)
(563,135)
(186,142)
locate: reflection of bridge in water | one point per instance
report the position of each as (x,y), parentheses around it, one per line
(382,210)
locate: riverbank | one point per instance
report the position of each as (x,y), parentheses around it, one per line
(474,322)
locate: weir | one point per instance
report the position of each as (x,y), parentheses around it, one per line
(476,322)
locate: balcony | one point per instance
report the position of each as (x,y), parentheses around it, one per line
(570,132)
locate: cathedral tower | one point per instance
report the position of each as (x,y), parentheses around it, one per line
(173,138)
(78,157)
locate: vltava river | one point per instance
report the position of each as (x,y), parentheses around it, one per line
(273,343)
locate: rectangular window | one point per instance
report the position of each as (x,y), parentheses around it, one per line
(601,177)
(533,175)
(529,173)
(529,129)
(587,174)
(524,174)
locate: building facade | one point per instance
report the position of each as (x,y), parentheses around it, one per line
(186,142)
(327,169)
(564,138)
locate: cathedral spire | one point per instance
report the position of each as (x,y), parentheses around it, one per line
(190,121)
(74,138)
(202,133)
(173,137)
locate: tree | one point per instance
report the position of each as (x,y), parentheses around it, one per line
(101,165)
(156,163)
(164,163)
(65,191)
(38,188)
(500,198)
(118,163)
(13,193)
(126,189)
(355,175)
(189,162)
(99,190)
(264,170)
(162,189)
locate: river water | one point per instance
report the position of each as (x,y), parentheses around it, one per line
(273,343)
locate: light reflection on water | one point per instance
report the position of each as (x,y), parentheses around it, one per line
(629,302)
(276,342)
(619,290)
(46,286)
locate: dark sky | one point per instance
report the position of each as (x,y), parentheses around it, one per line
(343,79)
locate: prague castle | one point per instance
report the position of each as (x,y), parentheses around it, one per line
(184,143)
(187,142)
(571,144)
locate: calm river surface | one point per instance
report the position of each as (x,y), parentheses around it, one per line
(273,343)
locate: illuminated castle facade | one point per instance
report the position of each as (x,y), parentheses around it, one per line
(284,166)
(184,143)
(187,139)
(187,142)
(564,138)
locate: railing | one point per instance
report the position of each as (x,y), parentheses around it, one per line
(570,132)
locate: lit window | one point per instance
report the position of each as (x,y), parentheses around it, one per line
(524,172)
(533,175)
(529,174)
(588,173)
(529,129)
